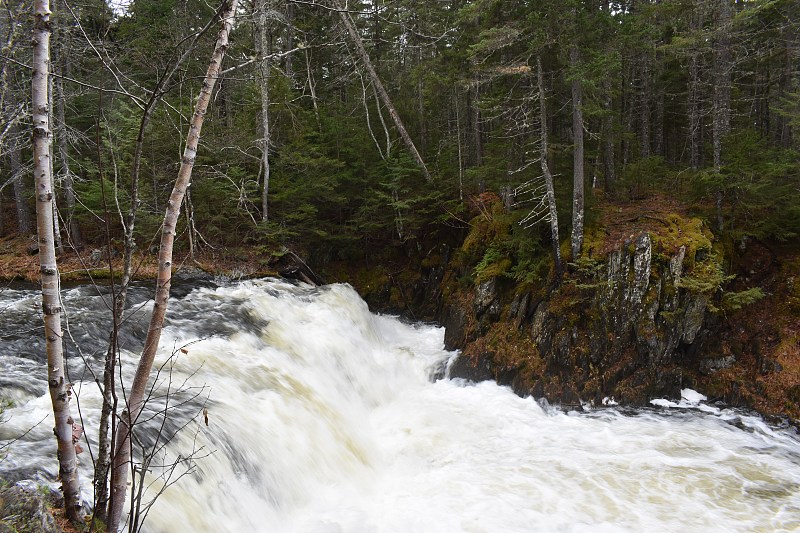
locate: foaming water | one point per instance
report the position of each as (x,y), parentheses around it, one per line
(324,418)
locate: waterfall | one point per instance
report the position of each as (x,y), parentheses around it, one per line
(323,417)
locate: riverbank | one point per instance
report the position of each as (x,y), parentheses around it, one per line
(19,261)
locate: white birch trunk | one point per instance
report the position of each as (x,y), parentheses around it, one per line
(136,399)
(60,393)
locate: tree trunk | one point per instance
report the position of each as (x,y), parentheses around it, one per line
(106,431)
(54,203)
(373,75)
(60,390)
(577,156)
(263,49)
(722,93)
(10,140)
(136,399)
(644,104)
(694,103)
(548,177)
(290,10)
(62,64)
(609,171)
(476,124)
(24,224)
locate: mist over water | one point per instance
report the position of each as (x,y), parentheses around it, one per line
(325,418)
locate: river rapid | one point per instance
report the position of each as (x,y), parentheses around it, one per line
(294,409)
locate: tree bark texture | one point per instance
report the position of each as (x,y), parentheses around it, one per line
(24,223)
(62,63)
(548,176)
(576,240)
(60,392)
(376,81)
(263,49)
(722,93)
(609,170)
(136,398)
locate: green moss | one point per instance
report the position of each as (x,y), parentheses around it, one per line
(677,231)
(89,273)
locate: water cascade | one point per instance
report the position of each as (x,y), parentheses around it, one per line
(294,409)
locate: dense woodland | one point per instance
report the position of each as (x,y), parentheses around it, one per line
(338,128)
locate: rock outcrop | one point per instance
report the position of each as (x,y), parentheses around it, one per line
(25,511)
(630,324)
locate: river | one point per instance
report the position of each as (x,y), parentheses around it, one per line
(321,417)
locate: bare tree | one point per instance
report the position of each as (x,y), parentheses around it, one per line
(548,176)
(376,82)
(577,156)
(263,51)
(122,449)
(60,392)
(103,464)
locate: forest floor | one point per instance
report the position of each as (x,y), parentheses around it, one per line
(19,261)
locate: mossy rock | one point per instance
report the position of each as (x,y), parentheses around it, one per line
(25,511)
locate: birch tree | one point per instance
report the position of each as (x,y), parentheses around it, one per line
(122,450)
(263,51)
(60,392)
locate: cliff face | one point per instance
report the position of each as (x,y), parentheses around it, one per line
(623,328)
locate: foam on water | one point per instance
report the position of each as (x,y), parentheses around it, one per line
(323,418)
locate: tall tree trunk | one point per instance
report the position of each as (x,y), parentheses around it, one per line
(548,177)
(10,139)
(107,430)
(657,125)
(644,103)
(787,78)
(457,105)
(62,64)
(376,81)
(263,49)
(576,240)
(694,96)
(290,12)
(722,93)
(60,390)
(476,123)
(136,398)
(609,170)
(24,223)
(54,203)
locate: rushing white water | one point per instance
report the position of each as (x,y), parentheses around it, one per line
(324,418)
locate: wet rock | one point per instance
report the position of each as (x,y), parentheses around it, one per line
(485,295)
(474,369)
(25,511)
(641,268)
(693,319)
(709,366)
(455,325)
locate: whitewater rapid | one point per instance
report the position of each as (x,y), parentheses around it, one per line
(325,418)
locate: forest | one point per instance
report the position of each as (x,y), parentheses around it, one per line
(694,101)
(506,143)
